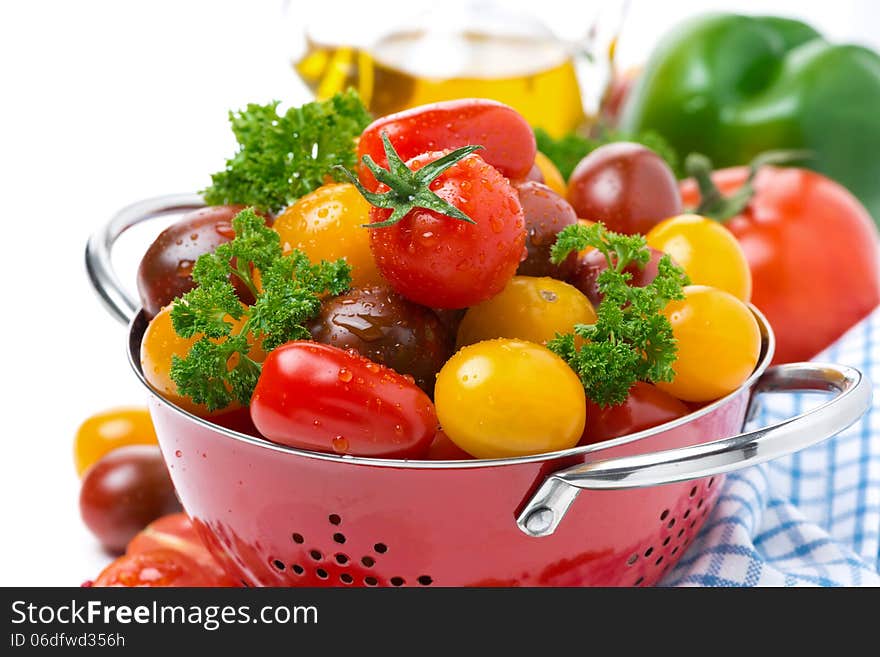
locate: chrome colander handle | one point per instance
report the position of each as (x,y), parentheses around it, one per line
(546,508)
(99,264)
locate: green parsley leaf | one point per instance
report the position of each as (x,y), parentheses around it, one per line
(631,340)
(218,368)
(282,157)
(570,149)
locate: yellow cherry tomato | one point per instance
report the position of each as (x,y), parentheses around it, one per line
(103,432)
(327,225)
(719,343)
(552,178)
(160,343)
(505,398)
(529,308)
(707,251)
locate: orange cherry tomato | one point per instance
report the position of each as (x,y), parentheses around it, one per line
(328,224)
(552,177)
(108,430)
(719,343)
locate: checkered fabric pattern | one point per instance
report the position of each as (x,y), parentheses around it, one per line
(811,519)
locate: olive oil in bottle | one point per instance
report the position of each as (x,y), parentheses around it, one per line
(533,74)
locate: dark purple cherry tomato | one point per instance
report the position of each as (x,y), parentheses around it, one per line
(314,396)
(626,186)
(545,213)
(647,406)
(166,268)
(593,263)
(125,491)
(383,326)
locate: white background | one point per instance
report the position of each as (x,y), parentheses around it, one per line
(103,103)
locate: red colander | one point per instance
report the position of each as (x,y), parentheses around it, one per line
(622,512)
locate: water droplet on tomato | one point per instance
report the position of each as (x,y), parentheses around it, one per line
(194,236)
(184,268)
(398,429)
(549,295)
(178,453)
(340,444)
(345,375)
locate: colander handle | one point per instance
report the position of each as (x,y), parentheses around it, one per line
(99,250)
(546,508)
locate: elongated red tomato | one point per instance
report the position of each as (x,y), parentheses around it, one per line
(314,396)
(507,139)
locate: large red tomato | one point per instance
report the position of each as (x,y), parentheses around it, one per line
(812,250)
(507,139)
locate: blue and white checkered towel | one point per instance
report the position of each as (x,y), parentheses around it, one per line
(811,519)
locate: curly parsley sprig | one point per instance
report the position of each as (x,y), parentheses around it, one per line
(631,340)
(282,157)
(218,368)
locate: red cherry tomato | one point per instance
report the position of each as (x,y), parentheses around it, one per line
(507,139)
(646,407)
(314,396)
(812,250)
(592,263)
(626,186)
(176,532)
(156,568)
(443,449)
(442,262)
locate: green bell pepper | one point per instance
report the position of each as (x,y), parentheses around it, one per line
(732,86)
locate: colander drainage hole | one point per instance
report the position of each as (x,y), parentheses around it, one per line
(666,541)
(425,580)
(298,538)
(341,559)
(681,532)
(397,581)
(700,503)
(686,514)
(632,559)
(339,538)
(346,578)
(316,555)
(694,491)
(320,572)
(638,581)
(381,548)
(279,565)
(370,581)
(664,515)
(659,560)
(299,570)
(334,519)
(649,552)
(368,561)
(670,524)
(711,481)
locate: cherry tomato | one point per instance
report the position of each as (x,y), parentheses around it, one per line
(550,175)
(314,396)
(812,250)
(159,344)
(719,343)
(545,213)
(157,568)
(707,251)
(124,492)
(108,430)
(591,263)
(507,139)
(533,309)
(646,406)
(165,270)
(383,326)
(504,398)
(626,186)
(176,532)
(442,262)
(443,449)
(328,224)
